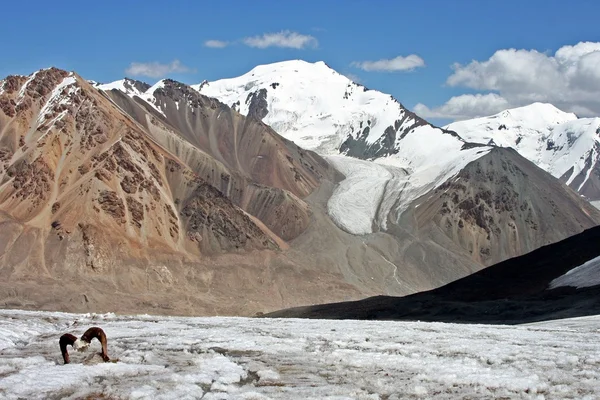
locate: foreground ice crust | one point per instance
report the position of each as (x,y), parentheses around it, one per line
(240,358)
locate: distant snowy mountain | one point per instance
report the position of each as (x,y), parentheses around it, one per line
(556,141)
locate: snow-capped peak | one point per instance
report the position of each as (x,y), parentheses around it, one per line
(556,141)
(313,105)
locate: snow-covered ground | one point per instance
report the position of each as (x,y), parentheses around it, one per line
(239,358)
(586,275)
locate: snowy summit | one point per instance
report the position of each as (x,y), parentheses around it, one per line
(558,142)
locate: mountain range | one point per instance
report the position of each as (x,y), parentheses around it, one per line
(288,185)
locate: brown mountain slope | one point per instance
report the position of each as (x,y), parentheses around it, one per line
(257,169)
(93,204)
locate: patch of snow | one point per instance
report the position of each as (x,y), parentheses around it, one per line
(57,98)
(124,85)
(149,97)
(21,93)
(586,275)
(240,358)
(80,345)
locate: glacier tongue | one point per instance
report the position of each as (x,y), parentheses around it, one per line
(374,192)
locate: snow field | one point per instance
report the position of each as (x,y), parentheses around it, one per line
(240,358)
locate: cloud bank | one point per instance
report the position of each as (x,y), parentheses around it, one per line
(216,44)
(569,79)
(284,39)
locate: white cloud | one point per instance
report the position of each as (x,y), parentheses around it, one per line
(156,69)
(216,44)
(400,63)
(288,39)
(569,79)
(465,106)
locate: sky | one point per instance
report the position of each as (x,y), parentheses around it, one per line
(446,60)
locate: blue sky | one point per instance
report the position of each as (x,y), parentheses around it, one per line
(100,41)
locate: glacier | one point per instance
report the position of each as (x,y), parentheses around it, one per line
(243,358)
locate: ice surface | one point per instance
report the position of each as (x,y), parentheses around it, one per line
(586,275)
(240,358)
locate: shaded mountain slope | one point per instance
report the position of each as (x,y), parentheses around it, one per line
(513,291)
(254,167)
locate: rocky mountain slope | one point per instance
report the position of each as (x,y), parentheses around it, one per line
(560,143)
(137,198)
(95,200)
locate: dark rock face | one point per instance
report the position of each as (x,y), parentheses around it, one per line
(112,204)
(357,146)
(257,103)
(137,85)
(213,221)
(178,91)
